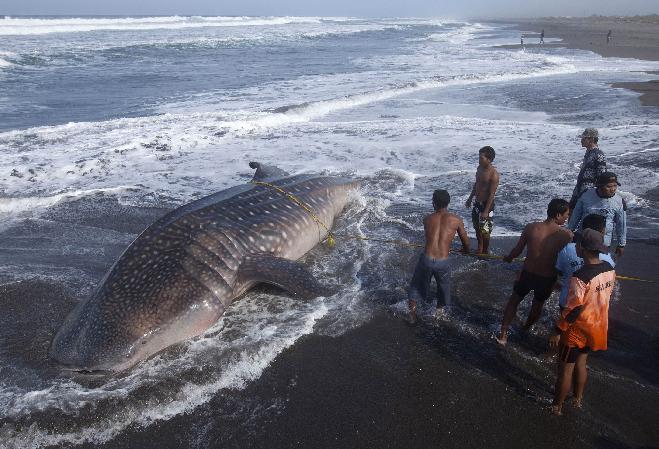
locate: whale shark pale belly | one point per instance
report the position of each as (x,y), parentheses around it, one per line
(178,276)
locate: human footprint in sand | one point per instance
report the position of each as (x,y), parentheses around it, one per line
(543,241)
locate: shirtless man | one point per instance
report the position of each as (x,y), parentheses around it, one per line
(487,181)
(440,228)
(543,241)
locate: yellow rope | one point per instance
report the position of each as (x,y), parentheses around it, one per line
(331,240)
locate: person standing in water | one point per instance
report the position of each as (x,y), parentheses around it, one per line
(440,228)
(542,36)
(583,325)
(543,240)
(485,187)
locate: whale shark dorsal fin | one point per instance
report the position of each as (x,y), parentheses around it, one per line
(267,172)
(283,273)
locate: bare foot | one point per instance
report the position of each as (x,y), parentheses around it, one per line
(502,339)
(556,410)
(576,402)
(412,306)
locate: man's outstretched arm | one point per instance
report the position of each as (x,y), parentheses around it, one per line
(517,250)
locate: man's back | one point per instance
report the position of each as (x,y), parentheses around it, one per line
(440,228)
(544,240)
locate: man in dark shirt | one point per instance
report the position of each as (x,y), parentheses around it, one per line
(594,164)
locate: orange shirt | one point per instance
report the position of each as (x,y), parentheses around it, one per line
(585,319)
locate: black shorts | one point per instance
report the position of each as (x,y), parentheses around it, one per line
(569,355)
(484,226)
(542,286)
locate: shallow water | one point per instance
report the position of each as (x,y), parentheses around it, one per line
(107,123)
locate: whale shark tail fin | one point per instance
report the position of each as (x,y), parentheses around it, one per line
(267,172)
(286,274)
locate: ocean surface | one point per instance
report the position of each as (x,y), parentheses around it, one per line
(107,123)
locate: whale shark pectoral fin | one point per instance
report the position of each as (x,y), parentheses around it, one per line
(267,172)
(283,273)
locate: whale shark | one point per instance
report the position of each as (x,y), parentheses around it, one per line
(178,276)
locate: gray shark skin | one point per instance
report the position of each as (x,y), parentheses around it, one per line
(176,279)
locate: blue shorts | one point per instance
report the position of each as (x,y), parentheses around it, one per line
(425,270)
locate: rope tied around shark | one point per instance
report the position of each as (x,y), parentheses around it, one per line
(331,237)
(330,240)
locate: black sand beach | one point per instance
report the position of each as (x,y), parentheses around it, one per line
(391,384)
(632,37)
(442,383)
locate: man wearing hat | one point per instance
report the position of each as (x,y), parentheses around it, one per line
(604,200)
(583,324)
(594,164)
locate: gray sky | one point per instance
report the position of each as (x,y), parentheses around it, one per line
(360,8)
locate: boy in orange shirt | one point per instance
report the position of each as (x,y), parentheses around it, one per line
(584,323)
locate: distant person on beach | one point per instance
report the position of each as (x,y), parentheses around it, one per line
(568,261)
(594,164)
(583,324)
(608,37)
(487,182)
(542,36)
(440,228)
(521,40)
(543,241)
(604,200)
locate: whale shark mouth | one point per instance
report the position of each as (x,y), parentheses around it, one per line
(88,372)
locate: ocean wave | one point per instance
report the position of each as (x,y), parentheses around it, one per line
(31,26)
(252,353)
(4,62)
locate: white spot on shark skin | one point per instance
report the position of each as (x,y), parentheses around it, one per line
(251,239)
(262,248)
(284,234)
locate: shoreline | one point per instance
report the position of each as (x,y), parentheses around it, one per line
(632,37)
(443,382)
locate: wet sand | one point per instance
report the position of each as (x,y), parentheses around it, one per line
(436,384)
(631,37)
